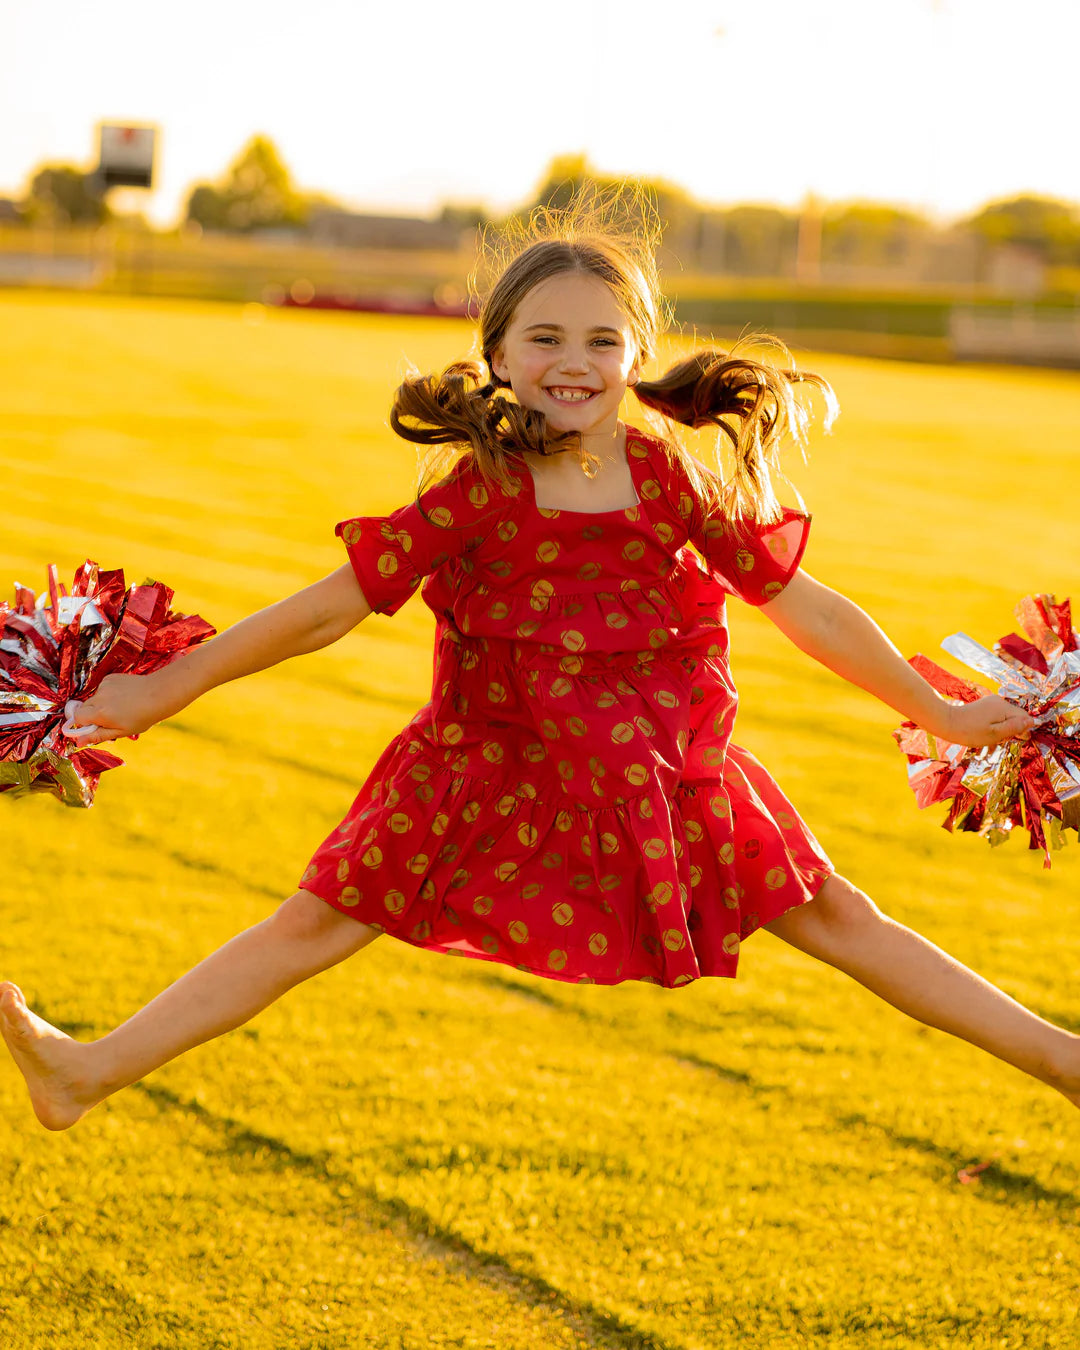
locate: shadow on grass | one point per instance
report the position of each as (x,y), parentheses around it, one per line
(241,1142)
(739,1076)
(256,754)
(995,1182)
(428,1237)
(351,690)
(237,880)
(526,991)
(89,1297)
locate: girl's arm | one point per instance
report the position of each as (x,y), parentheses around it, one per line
(310,619)
(836,632)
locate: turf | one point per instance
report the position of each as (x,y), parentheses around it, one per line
(414,1150)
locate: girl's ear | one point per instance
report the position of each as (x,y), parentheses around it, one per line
(634,374)
(498,365)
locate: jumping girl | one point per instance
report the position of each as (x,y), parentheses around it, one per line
(569,800)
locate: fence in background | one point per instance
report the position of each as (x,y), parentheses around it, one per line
(928,324)
(1021,335)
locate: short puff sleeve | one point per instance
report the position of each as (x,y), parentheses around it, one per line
(752,560)
(392,554)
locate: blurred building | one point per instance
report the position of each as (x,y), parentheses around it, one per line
(351,229)
(1017,334)
(1016,271)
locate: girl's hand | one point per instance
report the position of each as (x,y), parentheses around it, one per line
(124,705)
(987,722)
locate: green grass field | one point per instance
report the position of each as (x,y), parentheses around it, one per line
(416,1151)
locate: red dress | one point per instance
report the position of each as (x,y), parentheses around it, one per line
(568,801)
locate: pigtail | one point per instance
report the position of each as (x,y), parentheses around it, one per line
(754,405)
(457,408)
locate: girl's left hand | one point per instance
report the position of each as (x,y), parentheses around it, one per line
(124,705)
(987,722)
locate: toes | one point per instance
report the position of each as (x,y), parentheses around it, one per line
(12,1002)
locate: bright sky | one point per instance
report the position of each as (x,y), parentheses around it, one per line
(939,104)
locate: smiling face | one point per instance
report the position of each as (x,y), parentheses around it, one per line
(569,352)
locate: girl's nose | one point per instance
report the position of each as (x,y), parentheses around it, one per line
(574,362)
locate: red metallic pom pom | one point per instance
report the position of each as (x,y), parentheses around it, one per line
(59,646)
(1033,783)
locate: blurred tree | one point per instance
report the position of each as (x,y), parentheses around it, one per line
(678,213)
(760,241)
(206,207)
(871,234)
(564,176)
(256,193)
(60,194)
(1049,227)
(463,216)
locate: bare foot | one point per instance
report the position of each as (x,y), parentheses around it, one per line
(48,1060)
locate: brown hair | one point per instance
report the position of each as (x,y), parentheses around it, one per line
(754,406)
(752,403)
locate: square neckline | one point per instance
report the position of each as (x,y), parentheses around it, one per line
(550,512)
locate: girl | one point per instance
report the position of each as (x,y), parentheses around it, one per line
(569,800)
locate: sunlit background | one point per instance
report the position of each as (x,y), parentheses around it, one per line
(892,179)
(937,104)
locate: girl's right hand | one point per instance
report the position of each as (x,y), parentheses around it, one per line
(124,705)
(987,722)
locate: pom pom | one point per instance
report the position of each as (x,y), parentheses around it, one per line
(59,646)
(1033,783)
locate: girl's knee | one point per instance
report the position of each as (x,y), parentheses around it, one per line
(839,904)
(306,918)
(825,926)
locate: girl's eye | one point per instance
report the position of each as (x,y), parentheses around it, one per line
(544,338)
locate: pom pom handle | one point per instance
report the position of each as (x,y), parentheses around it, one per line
(71,707)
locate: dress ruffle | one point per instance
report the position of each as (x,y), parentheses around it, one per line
(649,888)
(569,801)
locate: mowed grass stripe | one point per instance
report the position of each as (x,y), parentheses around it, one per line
(301,1259)
(766,1162)
(262,1151)
(485,1169)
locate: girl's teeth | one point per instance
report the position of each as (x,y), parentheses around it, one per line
(572,396)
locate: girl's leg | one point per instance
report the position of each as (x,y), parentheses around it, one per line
(844,928)
(66,1078)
